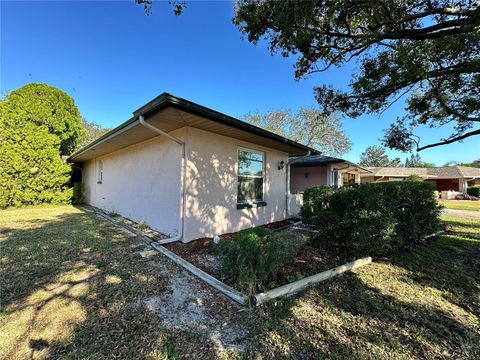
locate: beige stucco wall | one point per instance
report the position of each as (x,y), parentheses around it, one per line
(317,175)
(211,191)
(141,182)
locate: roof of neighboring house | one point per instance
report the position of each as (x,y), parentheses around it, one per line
(169,113)
(444,172)
(320,160)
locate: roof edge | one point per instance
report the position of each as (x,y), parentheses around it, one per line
(165,99)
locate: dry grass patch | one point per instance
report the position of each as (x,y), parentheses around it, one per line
(73,287)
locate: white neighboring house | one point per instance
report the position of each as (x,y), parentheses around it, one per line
(189,171)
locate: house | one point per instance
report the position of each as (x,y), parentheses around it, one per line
(455,178)
(315,170)
(189,171)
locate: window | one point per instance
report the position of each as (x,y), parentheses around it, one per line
(100,172)
(335,178)
(250,177)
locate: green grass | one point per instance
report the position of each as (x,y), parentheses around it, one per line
(424,303)
(70,281)
(461,204)
(70,288)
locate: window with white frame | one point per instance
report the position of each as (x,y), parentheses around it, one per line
(99,172)
(250,176)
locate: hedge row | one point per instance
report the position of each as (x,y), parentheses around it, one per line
(371,219)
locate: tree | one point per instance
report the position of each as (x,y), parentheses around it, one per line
(94,131)
(375,156)
(428,49)
(38,124)
(414,178)
(178,6)
(307,126)
(416,161)
(474,163)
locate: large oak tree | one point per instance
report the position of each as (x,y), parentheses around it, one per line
(428,49)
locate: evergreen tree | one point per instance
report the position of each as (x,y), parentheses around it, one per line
(38,124)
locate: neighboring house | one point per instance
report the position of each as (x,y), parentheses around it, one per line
(445,178)
(317,170)
(189,171)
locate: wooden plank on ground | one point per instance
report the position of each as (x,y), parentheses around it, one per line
(294,287)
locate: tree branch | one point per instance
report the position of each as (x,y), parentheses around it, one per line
(449,141)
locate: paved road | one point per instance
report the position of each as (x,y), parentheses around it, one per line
(467,214)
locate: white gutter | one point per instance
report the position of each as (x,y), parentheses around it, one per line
(182,180)
(288,179)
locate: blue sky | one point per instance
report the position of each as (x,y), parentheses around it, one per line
(112,58)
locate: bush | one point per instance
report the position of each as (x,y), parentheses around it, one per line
(77,196)
(372,219)
(474,190)
(255,254)
(414,177)
(354,219)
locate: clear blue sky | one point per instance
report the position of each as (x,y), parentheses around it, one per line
(112,58)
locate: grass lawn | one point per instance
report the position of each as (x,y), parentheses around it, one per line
(70,288)
(420,304)
(461,204)
(70,282)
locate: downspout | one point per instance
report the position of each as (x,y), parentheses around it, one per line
(288,180)
(182,180)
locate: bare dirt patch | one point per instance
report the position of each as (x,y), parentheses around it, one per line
(188,304)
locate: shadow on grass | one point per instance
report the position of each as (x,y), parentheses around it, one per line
(71,286)
(460,222)
(346,317)
(451,264)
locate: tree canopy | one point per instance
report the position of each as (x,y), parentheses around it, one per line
(38,124)
(93,132)
(307,126)
(428,50)
(375,156)
(474,163)
(416,161)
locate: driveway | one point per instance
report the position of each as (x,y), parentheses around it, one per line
(466,214)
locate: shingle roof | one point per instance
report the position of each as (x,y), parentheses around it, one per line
(438,172)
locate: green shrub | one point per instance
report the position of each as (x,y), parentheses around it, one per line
(255,254)
(354,219)
(414,177)
(474,190)
(415,208)
(77,196)
(371,219)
